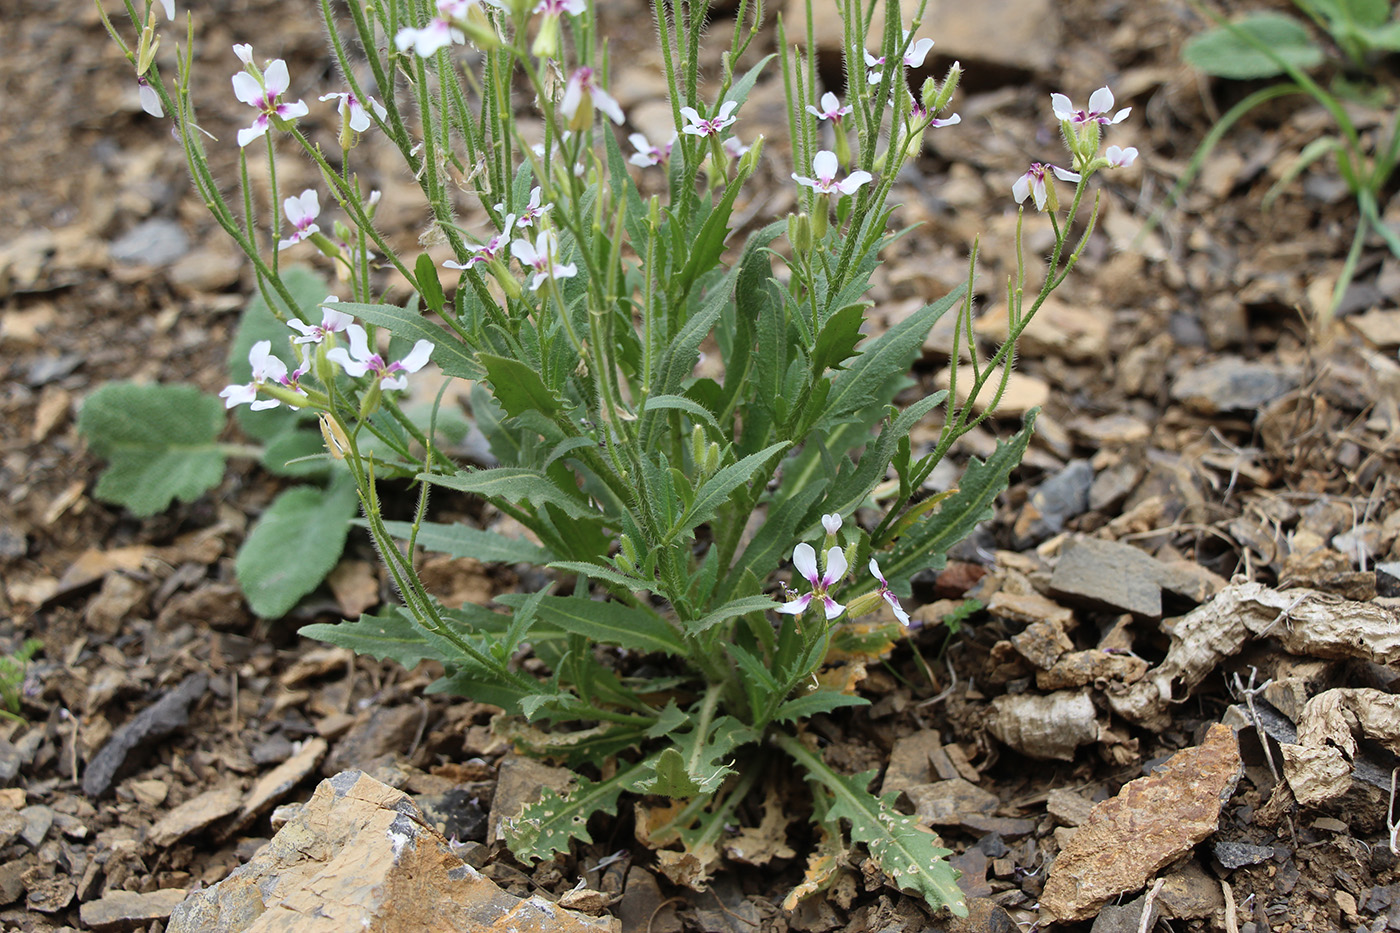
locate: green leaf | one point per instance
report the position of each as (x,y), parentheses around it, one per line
(820,701)
(906,852)
(159,441)
(294,545)
(626,581)
(838,339)
(716,490)
(450,355)
(518,387)
(392,635)
(925,546)
(730,610)
(671,778)
(1227,51)
(512,485)
(859,385)
(852,486)
(545,827)
(425,271)
(466,541)
(611,624)
(680,402)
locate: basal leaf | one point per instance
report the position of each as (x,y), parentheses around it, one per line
(819,701)
(611,623)
(391,635)
(546,826)
(295,543)
(465,541)
(160,443)
(1227,51)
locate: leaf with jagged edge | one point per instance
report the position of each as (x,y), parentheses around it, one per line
(822,864)
(693,766)
(545,827)
(574,748)
(907,853)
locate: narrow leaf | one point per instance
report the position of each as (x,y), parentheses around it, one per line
(716,490)
(466,541)
(611,624)
(513,486)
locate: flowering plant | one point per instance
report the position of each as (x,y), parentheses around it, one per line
(664,502)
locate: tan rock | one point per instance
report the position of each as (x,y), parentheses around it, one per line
(1150,824)
(195,814)
(1022,393)
(360,855)
(127,910)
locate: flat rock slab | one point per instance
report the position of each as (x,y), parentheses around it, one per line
(127,910)
(156,721)
(195,814)
(1233,383)
(1108,576)
(278,783)
(361,856)
(1152,822)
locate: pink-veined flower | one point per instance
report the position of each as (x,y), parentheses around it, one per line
(804,559)
(647,154)
(582,83)
(360,360)
(1120,158)
(353,112)
(697,125)
(831,108)
(1100,103)
(1033,183)
(825,166)
(485,252)
(541,256)
(267,370)
(889,597)
(917,113)
(332,322)
(266,96)
(440,32)
(150,100)
(302,213)
(734,147)
(913,58)
(533,209)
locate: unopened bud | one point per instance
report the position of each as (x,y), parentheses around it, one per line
(509,284)
(800,232)
(654,212)
(928,94)
(546,43)
(325,244)
(697,445)
(710,462)
(146,50)
(477,27)
(749,160)
(945,91)
(369,402)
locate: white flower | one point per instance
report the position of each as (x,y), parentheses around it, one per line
(487,251)
(332,322)
(831,108)
(302,212)
(150,100)
(266,96)
(1100,103)
(361,360)
(540,256)
(1120,158)
(832,523)
(267,369)
(889,597)
(804,559)
(646,153)
(353,112)
(556,7)
(244,51)
(440,32)
(825,166)
(169,7)
(697,125)
(581,83)
(734,147)
(1033,183)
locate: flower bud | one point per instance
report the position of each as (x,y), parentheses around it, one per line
(945,91)
(509,284)
(546,43)
(800,232)
(369,402)
(477,27)
(697,445)
(325,244)
(749,160)
(864,604)
(928,94)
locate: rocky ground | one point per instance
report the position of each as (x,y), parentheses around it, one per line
(1178,701)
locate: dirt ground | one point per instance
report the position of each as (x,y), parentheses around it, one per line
(1192,410)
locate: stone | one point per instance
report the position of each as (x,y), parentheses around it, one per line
(37,820)
(1069,808)
(155,242)
(120,911)
(1232,383)
(984,915)
(1063,329)
(520,781)
(1023,392)
(910,760)
(277,783)
(11,825)
(195,814)
(48,895)
(1082,668)
(1028,609)
(1234,855)
(1042,643)
(11,882)
(1057,500)
(382,730)
(1381,327)
(457,814)
(168,714)
(1108,576)
(945,803)
(1190,894)
(360,855)
(209,269)
(1045,727)
(1150,823)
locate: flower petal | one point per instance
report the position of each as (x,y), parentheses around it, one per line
(804,559)
(835,567)
(825,165)
(1063,107)
(832,607)
(796,607)
(1101,101)
(247,89)
(275,79)
(417,357)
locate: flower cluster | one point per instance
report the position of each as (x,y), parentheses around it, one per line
(804,560)
(1082,130)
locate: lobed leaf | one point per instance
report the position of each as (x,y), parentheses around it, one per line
(545,827)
